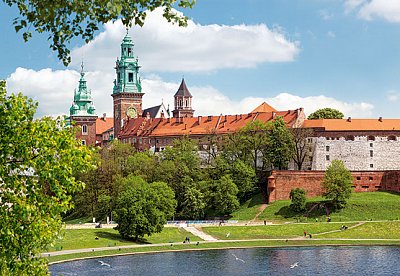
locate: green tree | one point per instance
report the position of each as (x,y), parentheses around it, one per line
(142,208)
(298,197)
(143,164)
(223,196)
(303,148)
(193,204)
(337,184)
(182,163)
(280,148)
(38,160)
(65,20)
(326,113)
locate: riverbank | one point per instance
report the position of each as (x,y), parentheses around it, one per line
(222,244)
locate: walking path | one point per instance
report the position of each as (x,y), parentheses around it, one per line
(199,233)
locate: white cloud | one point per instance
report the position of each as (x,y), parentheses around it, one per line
(54,91)
(368,10)
(286,101)
(350,5)
(331,34)
(163,47)
(325,15)
(392,96)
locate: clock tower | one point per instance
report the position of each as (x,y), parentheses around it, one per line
(127,91)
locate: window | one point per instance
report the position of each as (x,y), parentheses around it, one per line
(186,103)
(350,138)
(309,140)
(129,52)
(140,140)
(84,142)
(327,158)
(371,145)
(392,138)
(371,153)
(358,178)
(371,138)
(371,165)
(371,178)
(130,77)
(84,130)
(327,148)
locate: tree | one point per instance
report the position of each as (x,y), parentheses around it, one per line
(302,148)
(337,184)
(326,113)
(38,160)
(142,208)
(298,197)
(65,20)
(193,204)
(223,196)
(280,148)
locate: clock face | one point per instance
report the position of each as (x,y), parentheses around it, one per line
(131,112)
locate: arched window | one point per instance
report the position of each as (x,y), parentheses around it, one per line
(391,138)
(371,138)
(83,142)
(186,103)
(84,130)
(350,138)
(180,102)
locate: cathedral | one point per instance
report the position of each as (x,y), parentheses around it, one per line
(154,128)
(362,144)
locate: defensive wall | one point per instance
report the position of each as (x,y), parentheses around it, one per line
(280,183)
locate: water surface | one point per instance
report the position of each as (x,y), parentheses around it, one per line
(358,260)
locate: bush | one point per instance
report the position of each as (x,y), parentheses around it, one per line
(298,197)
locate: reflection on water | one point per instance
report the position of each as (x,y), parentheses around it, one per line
(379,260)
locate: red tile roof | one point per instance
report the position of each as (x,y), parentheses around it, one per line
(103,125)
(264,107)
(353,124)
(200,125)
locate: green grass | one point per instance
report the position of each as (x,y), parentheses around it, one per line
(369,230)
(269,231)
(249,209)
(360,207)
(220,245)
(85,238)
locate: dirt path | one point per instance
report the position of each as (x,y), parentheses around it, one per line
(260,210)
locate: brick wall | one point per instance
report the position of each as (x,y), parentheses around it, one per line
(280,183)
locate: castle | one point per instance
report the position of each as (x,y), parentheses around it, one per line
(364,145)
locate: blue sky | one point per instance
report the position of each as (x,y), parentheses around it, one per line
(234,55)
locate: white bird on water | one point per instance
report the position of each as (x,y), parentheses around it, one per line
(294,265)
(103,263)
(238,259)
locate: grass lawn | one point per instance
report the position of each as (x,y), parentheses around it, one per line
(269,231)
(85,238)
(248,210)
(360,207)
(369,230)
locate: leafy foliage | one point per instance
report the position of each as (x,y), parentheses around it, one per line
(280,148)
(337,184)
(64,20)
(302,148)
(142,208)
(326,113)
(38,160)
(298,197)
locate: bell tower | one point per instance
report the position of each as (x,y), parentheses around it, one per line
(183,102)
(82,113)
(127,91)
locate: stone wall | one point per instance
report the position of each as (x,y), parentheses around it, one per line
(280,183)
(359,154)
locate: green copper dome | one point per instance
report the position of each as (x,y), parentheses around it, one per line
(127,69)
(83,102)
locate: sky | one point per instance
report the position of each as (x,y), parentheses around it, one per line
(234,54)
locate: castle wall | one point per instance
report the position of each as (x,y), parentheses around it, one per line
(359,154)
(280,183)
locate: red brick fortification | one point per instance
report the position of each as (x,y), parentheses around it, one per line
(280,183)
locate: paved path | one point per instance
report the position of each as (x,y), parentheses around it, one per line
(199,233)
